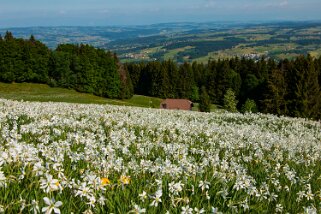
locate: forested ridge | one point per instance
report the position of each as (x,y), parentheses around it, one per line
(80,67)
(286,87)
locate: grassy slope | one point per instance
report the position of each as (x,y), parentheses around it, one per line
(44,93)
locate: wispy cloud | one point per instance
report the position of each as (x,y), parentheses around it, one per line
(284,3)
(62,12)
(104,11)
(210,4)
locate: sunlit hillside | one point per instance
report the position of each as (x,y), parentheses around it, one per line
(112,159)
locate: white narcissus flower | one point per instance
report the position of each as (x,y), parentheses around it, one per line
(2,179)
(84,190)
(204,185)
(187,210)
(88,211)
(199,211)
(143,196)
(175,188)
(214,210)
(92,201)
(52,206)
(157,198)
(279,208)
(34,207)
(49,184)
(137,210)
(2,208)
(102,200)
(99,140)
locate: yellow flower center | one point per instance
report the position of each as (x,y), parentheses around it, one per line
(124,179)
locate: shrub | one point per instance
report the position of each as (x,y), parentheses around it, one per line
(230,101)
(249,106)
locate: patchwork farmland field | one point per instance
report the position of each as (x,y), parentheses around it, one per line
(59,157)
(189,41)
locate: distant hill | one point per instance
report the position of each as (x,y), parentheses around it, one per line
(189,41)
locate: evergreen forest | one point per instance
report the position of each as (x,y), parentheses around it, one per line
(284,87)
(80,67)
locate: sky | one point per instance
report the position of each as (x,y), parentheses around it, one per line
(23,13)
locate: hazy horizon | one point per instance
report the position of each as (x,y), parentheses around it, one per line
(18,13)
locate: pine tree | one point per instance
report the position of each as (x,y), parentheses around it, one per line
(222,81)
(211,81)
(126,90)
(205,102)
(8,37)
(173,77)
(32,39)
(303,88)
(186,81)
(230,101)
(274,97)
(195,94)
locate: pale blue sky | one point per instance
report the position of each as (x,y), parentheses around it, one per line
(16,13)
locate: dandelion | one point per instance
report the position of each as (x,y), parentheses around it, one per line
(105,181)
(52,206)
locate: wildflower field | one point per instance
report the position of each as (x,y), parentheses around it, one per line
(77,158)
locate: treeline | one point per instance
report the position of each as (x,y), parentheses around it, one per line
(284,88)
(80,67)
(287,87)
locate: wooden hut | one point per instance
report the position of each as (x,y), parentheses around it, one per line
(178,104)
